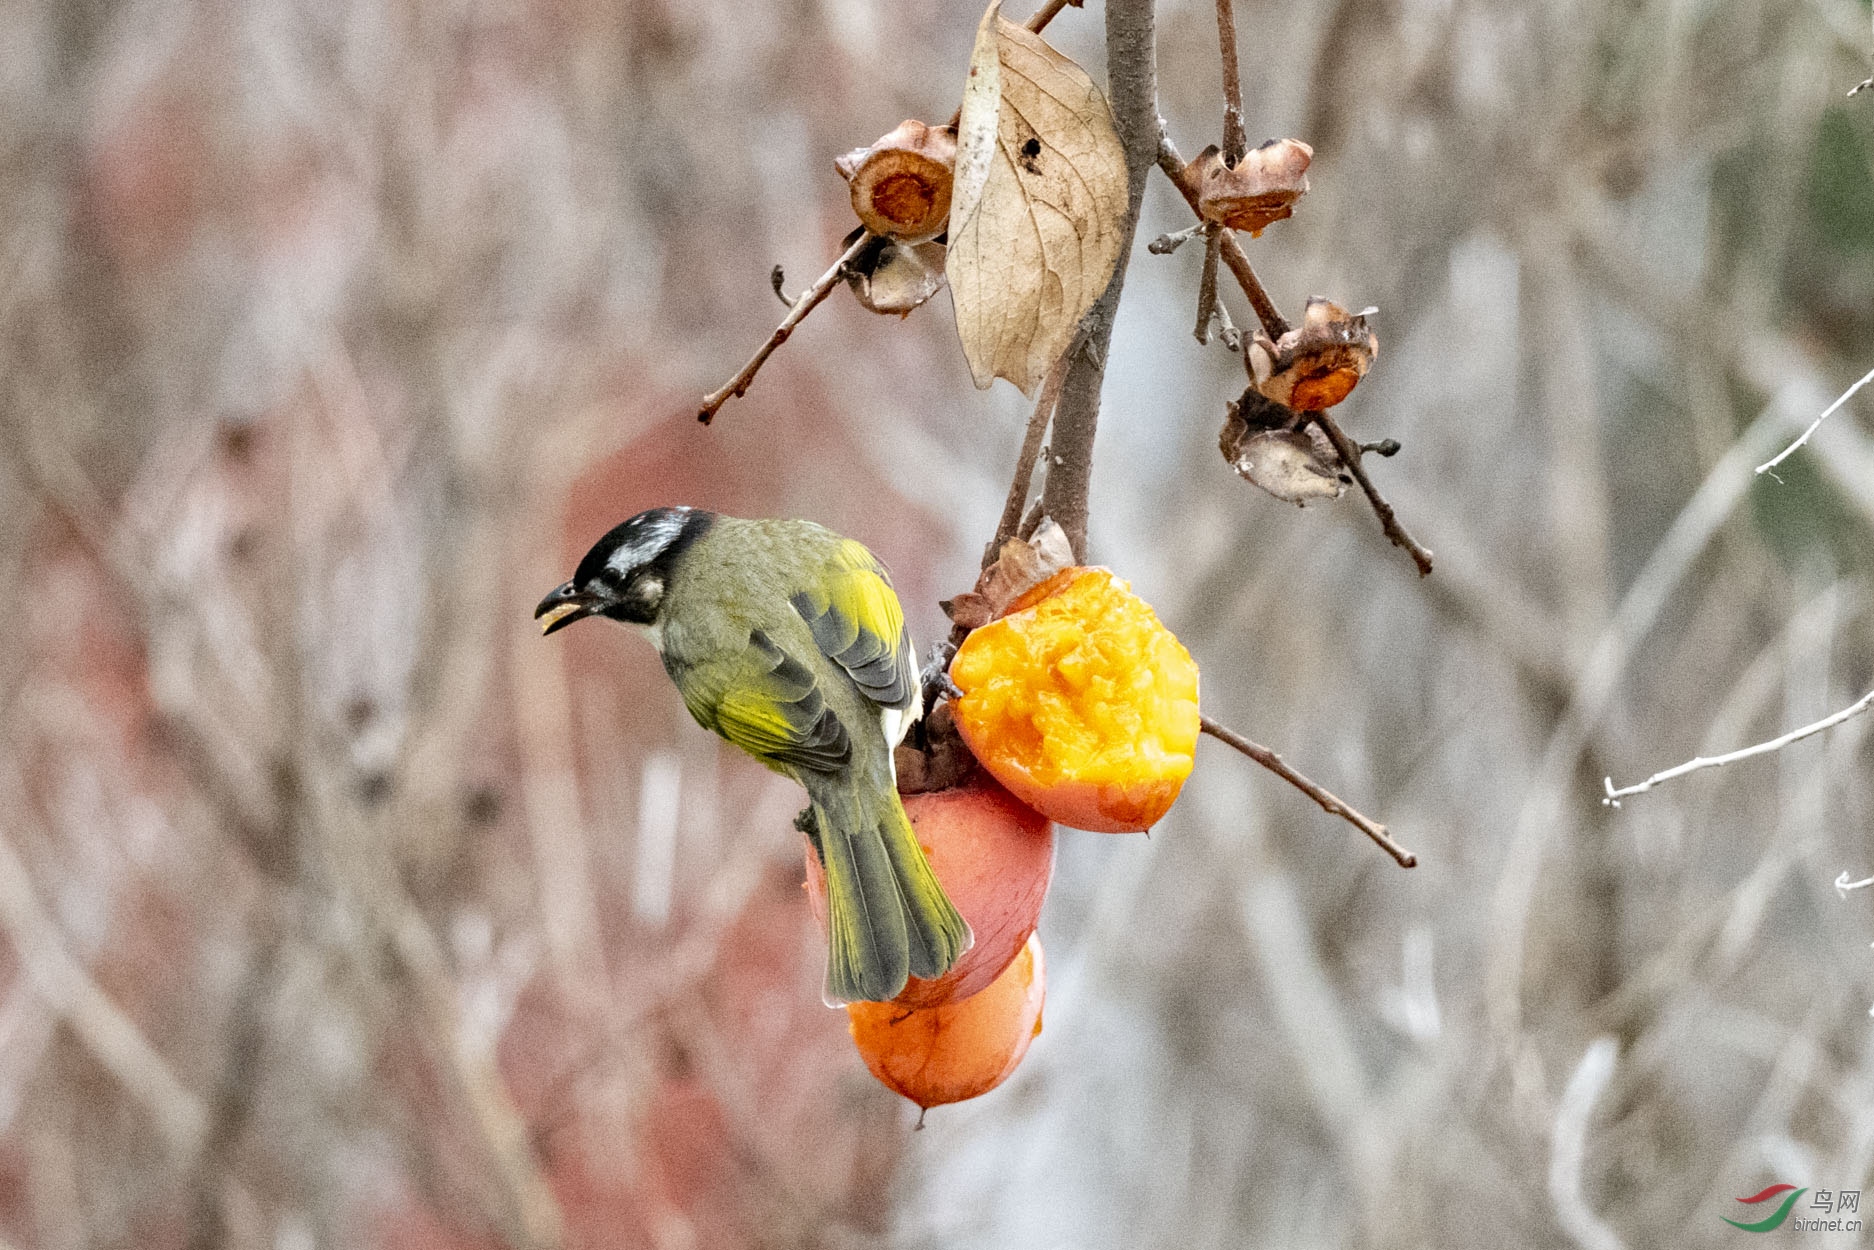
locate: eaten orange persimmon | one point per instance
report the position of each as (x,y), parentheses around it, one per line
(1081,702)
(993,857)
(936,1055)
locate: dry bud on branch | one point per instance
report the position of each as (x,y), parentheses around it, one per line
(1317,364)
(1259,189)
(901,184)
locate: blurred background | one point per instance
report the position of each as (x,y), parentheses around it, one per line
(339,910)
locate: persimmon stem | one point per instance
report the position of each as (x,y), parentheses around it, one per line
(1389,521)
(1273,323)
(1328,803)
(809,300)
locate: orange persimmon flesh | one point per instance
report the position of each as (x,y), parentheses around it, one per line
(1081,703)
(963,1048)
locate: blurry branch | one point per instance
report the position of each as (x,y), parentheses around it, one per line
(1815,425)
(1545,797)
(1273,323)
(232,1108)
(1235,141)
(809,300)
(529,1215)
(1613,796)
(1568,1148)
(1328,803)
(1132,80)
(1389,521)
(112,1038)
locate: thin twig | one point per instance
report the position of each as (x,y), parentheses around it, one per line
(1207,283)
(1815,425)
(1328,803)
(1235,141)
(1025,459)
(1169,242)
(808,301)
(1613,796)
(1389,521)
(1273,323)
(776,277)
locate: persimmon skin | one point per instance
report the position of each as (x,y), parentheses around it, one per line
(961,1049)
(994,858)
(1081,703)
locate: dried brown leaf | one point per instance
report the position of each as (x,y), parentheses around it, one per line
(1019,567)
(1037,206)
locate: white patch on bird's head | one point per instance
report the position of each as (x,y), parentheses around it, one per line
(644,538)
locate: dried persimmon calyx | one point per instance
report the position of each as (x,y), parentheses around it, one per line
(1258,190)
(901,183)
(1318,363)
(888,276)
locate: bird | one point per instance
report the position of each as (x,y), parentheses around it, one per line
(788,640)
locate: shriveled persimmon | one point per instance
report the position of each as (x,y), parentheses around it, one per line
(994,858)
(963,1048)
(1081,702)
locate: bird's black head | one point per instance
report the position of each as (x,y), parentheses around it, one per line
(625,573)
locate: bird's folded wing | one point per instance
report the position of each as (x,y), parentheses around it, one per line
(858,623)
(766,702)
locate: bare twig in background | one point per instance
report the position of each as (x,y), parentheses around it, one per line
(1273,323)
(1389,521)
(1815,425)
(809,300)
(1568,1147)
(1235,140)
(119,1046)
(1328,803)
(1612,797)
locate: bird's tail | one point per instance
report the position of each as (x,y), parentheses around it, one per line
(886,914)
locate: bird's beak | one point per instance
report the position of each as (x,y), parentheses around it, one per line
(563,606)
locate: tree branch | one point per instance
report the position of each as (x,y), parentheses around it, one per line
(1815,425)
(1699,764)
(1273,323)
(1389,521)
(1025,459)
(1235,141)
(1328,803)
(1132,80)
(809,300)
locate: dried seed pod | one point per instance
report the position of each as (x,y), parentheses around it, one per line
(1260,189)
(1317,364)
(901,184)
(1262,441)
(893,277)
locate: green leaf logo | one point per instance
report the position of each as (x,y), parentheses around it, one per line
(1771,1222)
